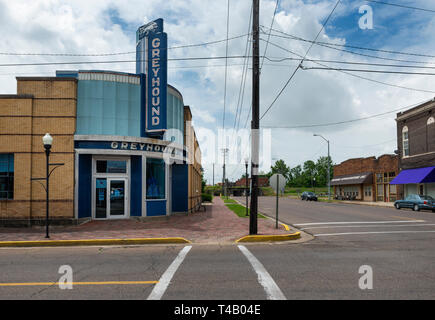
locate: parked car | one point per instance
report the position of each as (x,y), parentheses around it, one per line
(416,202)
(311,196)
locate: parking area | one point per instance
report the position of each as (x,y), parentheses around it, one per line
(346,220)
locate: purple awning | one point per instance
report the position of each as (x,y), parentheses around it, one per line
(420,175)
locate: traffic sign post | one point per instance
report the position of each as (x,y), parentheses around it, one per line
(277,182)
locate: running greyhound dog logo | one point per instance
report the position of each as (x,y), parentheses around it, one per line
(148,28)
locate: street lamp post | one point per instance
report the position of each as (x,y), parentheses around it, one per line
(47,140)
(329,172)
(246,184)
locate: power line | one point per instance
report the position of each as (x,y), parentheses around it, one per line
(113,61)
(297,68)
(243,79)
(366,146)
(400,5)
(289,36)
(331,46)
(347,62)
(346,121)
(370,71)
(118,53)
(357,76)
(268,37)
(226,64)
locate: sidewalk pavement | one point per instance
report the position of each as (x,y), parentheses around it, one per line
(369,203)
(216,225)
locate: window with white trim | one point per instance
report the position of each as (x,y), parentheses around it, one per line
(405,141)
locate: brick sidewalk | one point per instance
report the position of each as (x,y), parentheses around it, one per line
(216,225)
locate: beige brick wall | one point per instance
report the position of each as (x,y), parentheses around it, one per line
(47,87)
(61,180)
(58,107)
(15,125)
(22,107)
(53,126)
(54,111)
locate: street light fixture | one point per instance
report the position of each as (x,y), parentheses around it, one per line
(246,185)
(329,172)
(47,140)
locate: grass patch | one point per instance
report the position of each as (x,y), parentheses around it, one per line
(229,201)
(241,210)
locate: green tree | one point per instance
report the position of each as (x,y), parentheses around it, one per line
(309,173)
(296,177)
(203,181)
(280,167)
(322,171)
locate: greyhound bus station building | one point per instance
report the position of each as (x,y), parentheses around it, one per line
(128,147)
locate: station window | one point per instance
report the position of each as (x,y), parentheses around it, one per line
(111,166)
(6,176)
(155,179)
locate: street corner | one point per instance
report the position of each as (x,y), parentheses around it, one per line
(93,242)
(270,238)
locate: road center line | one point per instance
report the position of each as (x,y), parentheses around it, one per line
(166,278)
(273,292)
(356,222)
(372,232)
(94,283)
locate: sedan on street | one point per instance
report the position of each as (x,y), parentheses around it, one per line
(308,196)
(416,203)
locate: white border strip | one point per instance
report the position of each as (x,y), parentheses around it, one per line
(382,226)
(273,292)
(361,222)
(379,232)
(166,278)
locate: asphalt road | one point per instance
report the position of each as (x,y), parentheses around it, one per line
(327,267)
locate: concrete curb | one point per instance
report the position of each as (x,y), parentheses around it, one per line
(264,238)
(91,242)
(286,227)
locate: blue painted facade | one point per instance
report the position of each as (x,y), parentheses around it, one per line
(120,143)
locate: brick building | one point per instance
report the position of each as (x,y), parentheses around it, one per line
(126,141)
(263,181)
(416,149)
(367,179)
(41,105)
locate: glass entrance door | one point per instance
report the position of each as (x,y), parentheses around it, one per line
(110,198)
(117,199)
(101,198)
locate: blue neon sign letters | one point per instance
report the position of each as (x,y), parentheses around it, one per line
(152,59)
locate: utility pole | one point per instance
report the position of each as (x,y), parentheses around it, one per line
(213,174)
(255,123)
(224,183)
(329,175)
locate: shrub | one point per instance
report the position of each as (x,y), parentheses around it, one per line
(206,197)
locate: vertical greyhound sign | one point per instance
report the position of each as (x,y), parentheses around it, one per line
(152,57)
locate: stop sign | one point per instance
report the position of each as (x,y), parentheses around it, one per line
(277,181)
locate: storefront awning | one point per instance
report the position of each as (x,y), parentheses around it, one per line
(420,175)
(361,178)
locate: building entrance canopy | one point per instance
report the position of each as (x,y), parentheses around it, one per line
(420,175)
(362,178)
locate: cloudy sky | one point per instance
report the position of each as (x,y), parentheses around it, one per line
(312,99)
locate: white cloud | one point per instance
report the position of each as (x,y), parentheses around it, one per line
(313,96)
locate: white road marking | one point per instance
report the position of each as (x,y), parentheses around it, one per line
(166,278)
(273,292)
(372,232)
(356,222)
(383,226)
